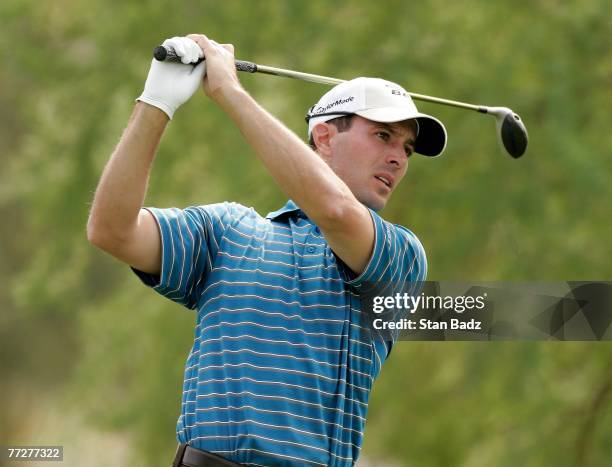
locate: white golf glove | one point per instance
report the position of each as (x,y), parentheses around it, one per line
(169,85)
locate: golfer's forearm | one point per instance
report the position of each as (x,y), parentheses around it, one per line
(122,188)
(299,172)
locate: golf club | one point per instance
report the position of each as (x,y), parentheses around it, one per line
(511,131)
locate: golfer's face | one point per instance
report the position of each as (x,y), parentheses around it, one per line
(372,158)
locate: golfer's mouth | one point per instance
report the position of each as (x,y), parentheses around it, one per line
(385,179)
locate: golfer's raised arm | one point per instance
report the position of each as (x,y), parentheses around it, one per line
(117,222)
(299,171)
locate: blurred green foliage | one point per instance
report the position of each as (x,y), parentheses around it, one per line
(81,336)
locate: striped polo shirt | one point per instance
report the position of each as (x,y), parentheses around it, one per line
(282,365)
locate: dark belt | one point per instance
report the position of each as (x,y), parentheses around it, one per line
(186,456)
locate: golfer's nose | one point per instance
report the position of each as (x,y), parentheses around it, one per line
(396,156)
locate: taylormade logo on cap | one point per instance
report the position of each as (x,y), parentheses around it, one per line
(380,101)
(319,110)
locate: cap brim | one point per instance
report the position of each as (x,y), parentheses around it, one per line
(431,140)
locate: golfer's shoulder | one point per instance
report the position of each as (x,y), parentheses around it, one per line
(406,233)
(226,214)
(401,236)
(393,231)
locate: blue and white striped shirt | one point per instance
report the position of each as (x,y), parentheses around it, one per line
(281,368)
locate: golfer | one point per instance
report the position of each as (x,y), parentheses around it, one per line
(282,364)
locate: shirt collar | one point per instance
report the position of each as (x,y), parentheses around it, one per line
(287,210)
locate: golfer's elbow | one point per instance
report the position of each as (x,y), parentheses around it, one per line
(338,213)
(101,236)
(95,234)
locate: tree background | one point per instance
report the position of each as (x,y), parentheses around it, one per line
(93,360)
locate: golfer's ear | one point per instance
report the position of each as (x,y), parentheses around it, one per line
(322,134)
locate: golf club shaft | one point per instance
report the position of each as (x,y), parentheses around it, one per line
(162,53)
(333,81)
(511,131)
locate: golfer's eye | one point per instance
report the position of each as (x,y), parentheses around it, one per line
(383,135)
(408,150)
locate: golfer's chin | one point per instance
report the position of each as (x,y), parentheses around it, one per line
(373,200)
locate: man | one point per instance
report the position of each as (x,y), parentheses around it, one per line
(282,363)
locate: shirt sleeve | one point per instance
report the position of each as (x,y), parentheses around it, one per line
(397,257)
(398,264)
(190,242)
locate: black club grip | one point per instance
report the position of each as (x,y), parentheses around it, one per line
(167,54)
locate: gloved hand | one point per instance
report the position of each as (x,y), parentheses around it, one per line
(169,85)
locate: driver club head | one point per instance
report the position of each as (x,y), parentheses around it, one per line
(511,131)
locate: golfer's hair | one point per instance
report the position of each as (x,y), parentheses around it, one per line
(341,123)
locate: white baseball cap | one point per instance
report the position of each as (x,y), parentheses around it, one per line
(380,101)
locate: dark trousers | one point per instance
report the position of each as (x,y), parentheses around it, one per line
(186,456)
